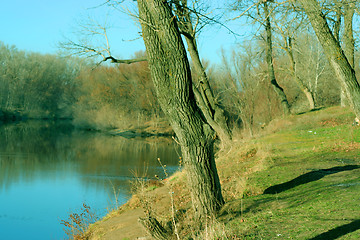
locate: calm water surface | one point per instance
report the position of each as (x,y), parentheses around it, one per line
(49,169)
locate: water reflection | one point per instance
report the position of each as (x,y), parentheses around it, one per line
(48,169)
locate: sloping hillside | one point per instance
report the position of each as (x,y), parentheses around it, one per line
(298,179)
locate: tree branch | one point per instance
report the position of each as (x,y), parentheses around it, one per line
(126,61)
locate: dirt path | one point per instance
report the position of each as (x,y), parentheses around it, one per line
(123,226)
(124,223)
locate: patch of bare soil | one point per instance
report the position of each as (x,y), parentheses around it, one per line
(124,224)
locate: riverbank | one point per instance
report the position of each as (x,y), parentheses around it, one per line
(160,128)
(19,116)
(297,179)
(156,128)
(6,116)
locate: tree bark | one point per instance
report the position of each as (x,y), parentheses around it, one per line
(215,116)
(269,59)
(205,99)
(337,23)
(170,72)
(349,42)
(154,228)
(348,39)
(125,61)
(342,68)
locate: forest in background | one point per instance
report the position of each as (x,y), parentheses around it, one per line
(34,85)
(40,86)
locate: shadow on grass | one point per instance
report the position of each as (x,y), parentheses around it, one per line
(338,231)
(307,178)
(312,110)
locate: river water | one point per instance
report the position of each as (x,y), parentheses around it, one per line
(49,169)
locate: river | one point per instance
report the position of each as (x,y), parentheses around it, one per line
(49,169)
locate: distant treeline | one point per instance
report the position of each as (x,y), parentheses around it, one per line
(33,85)
(36,86)
(117,96)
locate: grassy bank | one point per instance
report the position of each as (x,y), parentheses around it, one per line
(155,128)
(297,179)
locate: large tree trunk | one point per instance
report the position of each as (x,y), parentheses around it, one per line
(337,23)
(269,59)
(213,113)
(154,228)
(171,75)
(342,68)
(348,39)
(336,32)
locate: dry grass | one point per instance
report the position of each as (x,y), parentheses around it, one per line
(236,163)
(76,226)
(286,149)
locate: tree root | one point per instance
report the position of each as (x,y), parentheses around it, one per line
(154,228)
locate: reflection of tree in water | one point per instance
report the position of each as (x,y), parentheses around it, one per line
(56,149)
(99,151)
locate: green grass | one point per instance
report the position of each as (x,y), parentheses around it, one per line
(151,188)
(311,171)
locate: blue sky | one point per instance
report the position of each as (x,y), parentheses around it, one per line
(39,25)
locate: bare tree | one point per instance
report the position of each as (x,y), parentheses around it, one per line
(335,54)
(84,46)
(348,39)
(170,71)
(241,83)
(263,17)
(339,14)
(211,109)
(269,59)
(313,64)
(287,25)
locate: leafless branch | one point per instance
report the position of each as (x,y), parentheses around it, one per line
(244,12)
(92,29)
(203,16)
(256,4)
(126,61)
